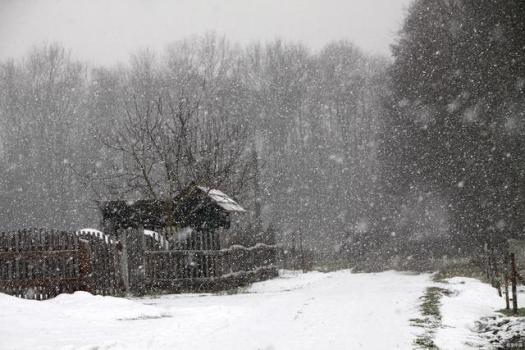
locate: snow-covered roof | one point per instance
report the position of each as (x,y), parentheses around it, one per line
(222,200)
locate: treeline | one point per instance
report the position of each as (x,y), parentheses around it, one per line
(364,157)
(291,133)
(454,147)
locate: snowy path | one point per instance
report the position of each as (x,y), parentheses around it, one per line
(337,310)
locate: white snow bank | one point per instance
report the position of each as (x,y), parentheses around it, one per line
(470,301)
(83,305)
(337,310)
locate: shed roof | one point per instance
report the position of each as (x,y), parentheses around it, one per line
(222,200)
(196,206)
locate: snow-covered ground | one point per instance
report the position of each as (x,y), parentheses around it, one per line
(337,310)
(470,301)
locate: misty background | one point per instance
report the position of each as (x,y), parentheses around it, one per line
(370,129)
(106,32)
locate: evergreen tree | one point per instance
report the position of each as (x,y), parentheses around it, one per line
(456,123)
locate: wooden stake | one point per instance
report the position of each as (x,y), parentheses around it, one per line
(496,275)
(506,281)
(507,301)
(513,279)
(487,260)
(303,267)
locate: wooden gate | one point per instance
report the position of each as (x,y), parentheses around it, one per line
(40,264)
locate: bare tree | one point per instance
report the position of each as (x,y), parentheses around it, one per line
(176,126)
(41,112)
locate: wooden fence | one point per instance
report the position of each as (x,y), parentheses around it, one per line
(193,262)
(503,273)
(105,257)
(40,264)
(238,258)
(208,270)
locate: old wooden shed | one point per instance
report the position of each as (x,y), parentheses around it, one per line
(188,221)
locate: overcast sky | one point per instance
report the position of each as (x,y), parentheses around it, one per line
(106,31)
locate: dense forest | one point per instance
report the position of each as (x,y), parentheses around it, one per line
(419,154)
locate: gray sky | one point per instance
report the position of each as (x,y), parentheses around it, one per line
(106,31)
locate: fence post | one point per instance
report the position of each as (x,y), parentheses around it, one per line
(487,260)
(85,266)
(124,270)
(514,283)
(303,268)
(506,280)
(132,263)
